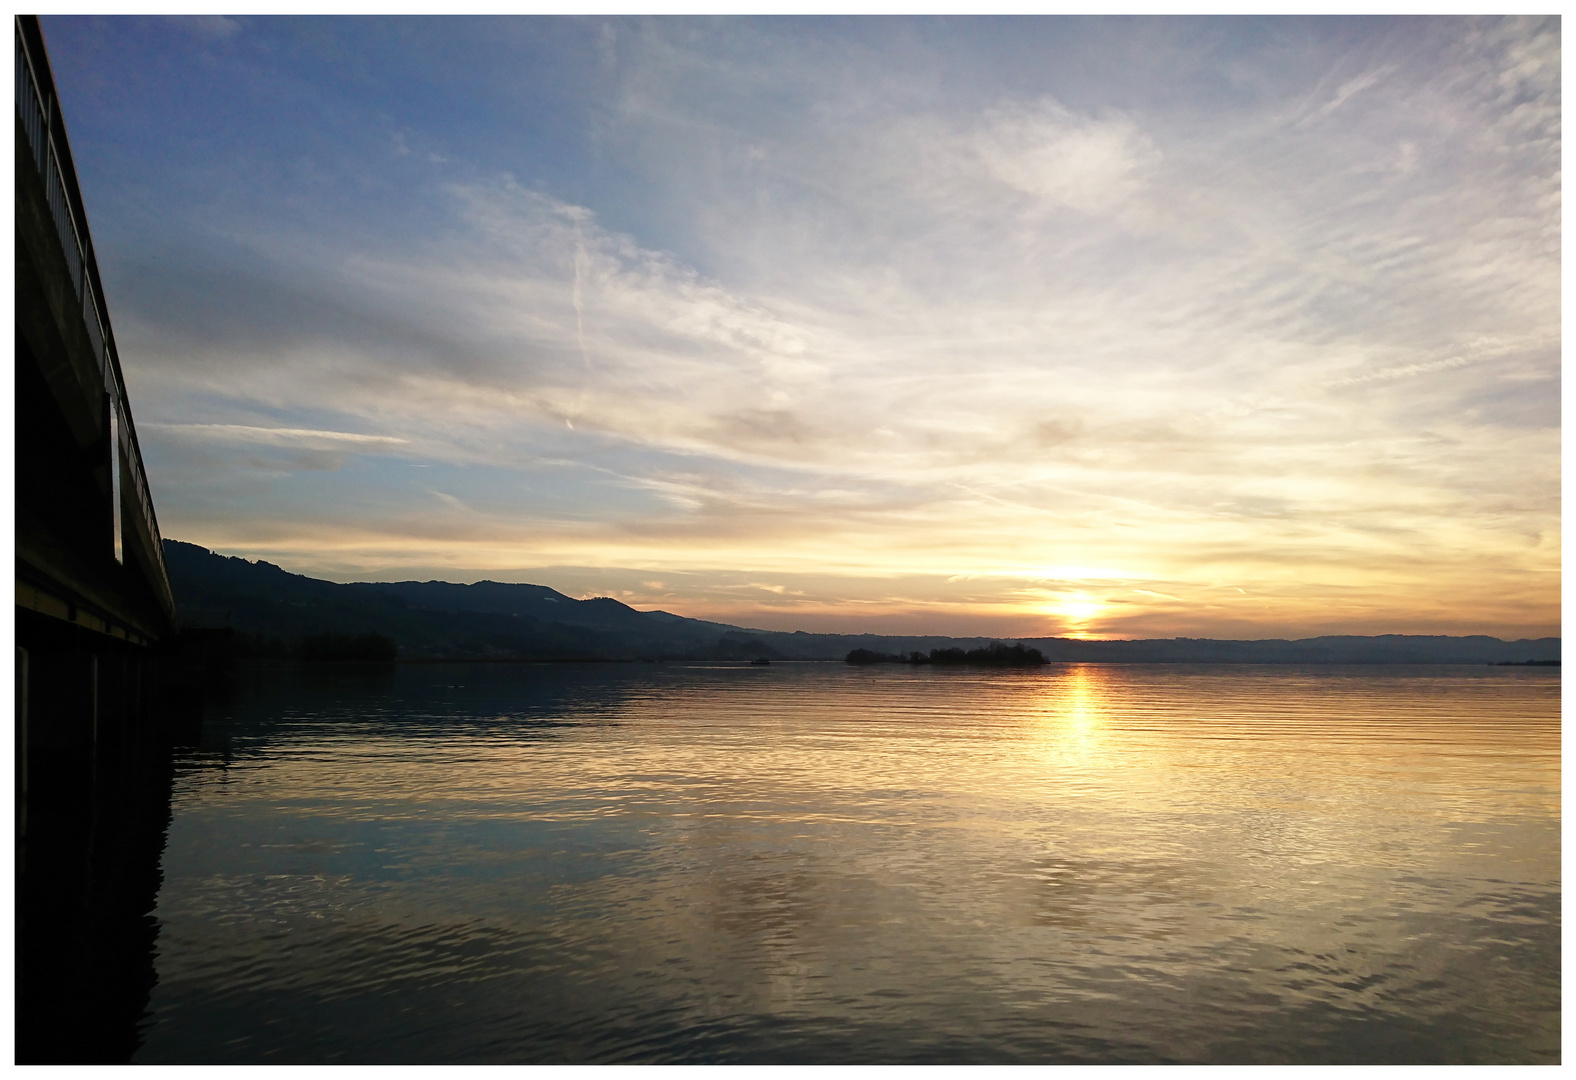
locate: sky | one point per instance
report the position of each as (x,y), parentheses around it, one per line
(1101,327)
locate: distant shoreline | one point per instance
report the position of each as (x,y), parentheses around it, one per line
(245,608)
(289,661)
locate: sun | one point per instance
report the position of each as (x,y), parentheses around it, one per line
(1076,610)
(1080,608)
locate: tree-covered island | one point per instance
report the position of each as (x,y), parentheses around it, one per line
(993,655)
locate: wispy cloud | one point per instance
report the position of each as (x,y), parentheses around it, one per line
(1293,326)
(1043,149)
(278,436)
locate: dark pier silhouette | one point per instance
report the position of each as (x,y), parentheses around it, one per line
(98,672)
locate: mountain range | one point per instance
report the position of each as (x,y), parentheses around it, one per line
(270,608)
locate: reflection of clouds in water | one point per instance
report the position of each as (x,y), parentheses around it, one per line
(934,859)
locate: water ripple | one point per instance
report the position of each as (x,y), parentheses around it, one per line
(817,863)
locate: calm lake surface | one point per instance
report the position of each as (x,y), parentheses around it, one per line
(811,862)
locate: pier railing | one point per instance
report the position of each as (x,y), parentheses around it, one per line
(38,111)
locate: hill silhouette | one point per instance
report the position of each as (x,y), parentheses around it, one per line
(275,612)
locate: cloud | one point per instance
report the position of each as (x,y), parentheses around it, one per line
(1405,371)
(1087,164)
(277,436)
(873,329)
(1346,91)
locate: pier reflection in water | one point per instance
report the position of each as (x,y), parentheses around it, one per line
(811,862)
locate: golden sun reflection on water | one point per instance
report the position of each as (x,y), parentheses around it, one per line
(1174,863)
(1072,712)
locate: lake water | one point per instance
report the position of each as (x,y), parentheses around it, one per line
(811,862)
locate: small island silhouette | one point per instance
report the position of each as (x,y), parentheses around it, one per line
(993,655)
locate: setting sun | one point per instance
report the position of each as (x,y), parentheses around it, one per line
(1076,611)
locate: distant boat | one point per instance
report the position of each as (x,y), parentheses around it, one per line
(761,660)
